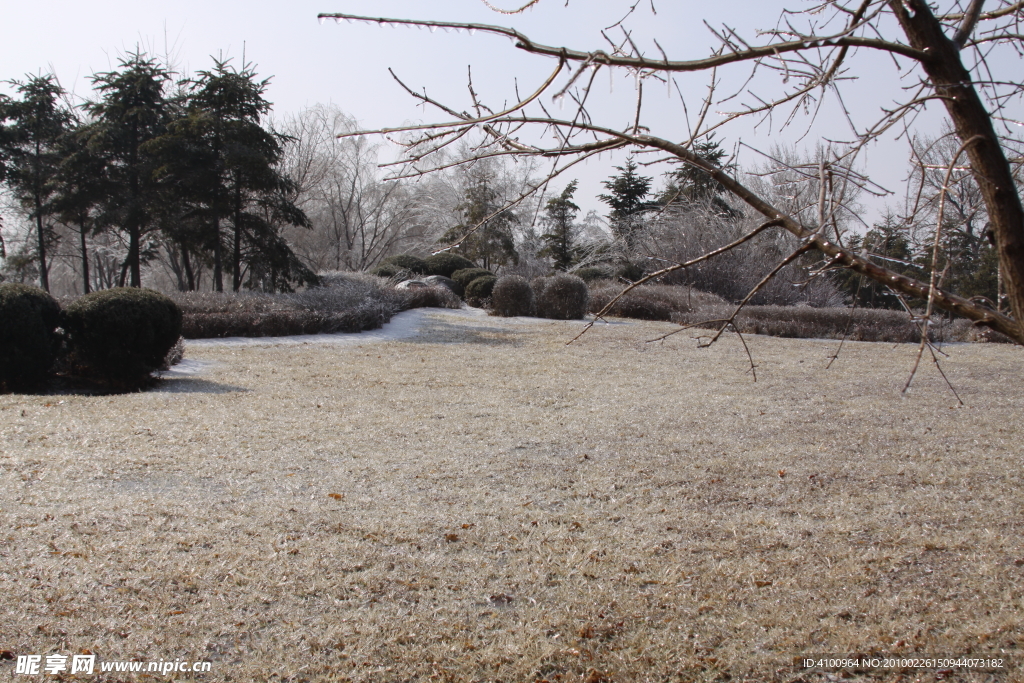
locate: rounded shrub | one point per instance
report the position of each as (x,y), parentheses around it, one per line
(121,335)
(407,262)
(592,273)
(467,275)
(447,263)
(386,270)
(561,297)
(480,289)
(630,271)
(28,339)
(512,296)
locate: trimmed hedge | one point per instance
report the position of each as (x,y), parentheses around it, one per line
(467,275)
(121,335)
(512,296)
(386,270)
(592,273)
(407,262)
(561,297)
(28,339)
(480,289)
(435,296)
(447,263)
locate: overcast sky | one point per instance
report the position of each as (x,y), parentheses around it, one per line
(347,64)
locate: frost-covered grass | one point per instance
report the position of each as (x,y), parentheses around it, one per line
(483,502)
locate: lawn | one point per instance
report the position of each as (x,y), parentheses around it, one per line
(481,502)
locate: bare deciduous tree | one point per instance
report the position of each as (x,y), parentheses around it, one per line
(358,219)
(950,54)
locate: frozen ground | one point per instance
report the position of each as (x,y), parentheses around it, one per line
(478,501)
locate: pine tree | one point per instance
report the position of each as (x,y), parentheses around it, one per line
(131,112)
(224,165)
(628,201)
(887,244)
(561,238)
(77,186)
(690,184)
(492,243)
(30,129)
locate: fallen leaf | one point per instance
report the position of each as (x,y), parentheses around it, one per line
(336,496)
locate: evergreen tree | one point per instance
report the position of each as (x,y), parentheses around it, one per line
(132,112)
(628,201)
(969,262)
(77,186)
(224,165)
(30,129)
(562,234)
(492,243)
(887,244)
(689,184)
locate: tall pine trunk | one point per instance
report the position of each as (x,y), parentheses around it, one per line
(82,229)
(236,258)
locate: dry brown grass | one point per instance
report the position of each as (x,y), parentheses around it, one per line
(485,503)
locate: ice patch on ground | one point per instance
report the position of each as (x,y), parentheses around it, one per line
(404,325)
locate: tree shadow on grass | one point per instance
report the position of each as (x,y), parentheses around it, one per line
(180,379)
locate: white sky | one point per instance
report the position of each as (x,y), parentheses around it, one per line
(347,64)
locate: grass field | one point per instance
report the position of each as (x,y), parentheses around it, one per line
(482,502)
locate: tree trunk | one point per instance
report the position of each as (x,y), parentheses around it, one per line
(218,257)
(134,213)
(186,263)
(973,125)
(44,276)
(135,255)
(85,257)
(236,257)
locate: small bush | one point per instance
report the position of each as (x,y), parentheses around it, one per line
(436,296)
(630,271)
(386,270)
(592,274)
(28,339)
(467,275)
(649,302)
(512,296)
(121,335)
(175,355)
(479,290)
(446,282)
(561,297)
(407,262)
(447,263)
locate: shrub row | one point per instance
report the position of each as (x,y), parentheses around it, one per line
(649,301)
(344,302)
(862,324)
(561,297)
(115,337)
(443,264)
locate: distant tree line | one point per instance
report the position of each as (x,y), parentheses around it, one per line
(151,169)
(188,175)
